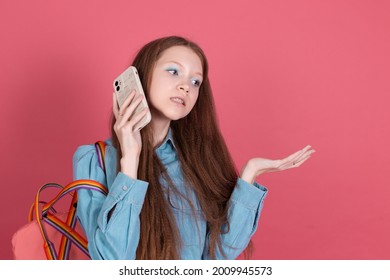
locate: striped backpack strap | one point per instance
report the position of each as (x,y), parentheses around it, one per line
(47,212)
(100,147)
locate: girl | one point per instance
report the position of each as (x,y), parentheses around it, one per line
(174,192)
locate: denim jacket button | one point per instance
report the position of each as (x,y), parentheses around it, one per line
(124,188)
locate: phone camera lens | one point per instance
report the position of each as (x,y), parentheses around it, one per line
(116,83)
(118,88)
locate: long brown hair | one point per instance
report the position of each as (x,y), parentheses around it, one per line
(204,158)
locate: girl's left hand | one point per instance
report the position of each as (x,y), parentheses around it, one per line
(257,166)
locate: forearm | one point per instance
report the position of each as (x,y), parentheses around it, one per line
(114,237)
(245,206)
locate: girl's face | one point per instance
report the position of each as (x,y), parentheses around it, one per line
(175,83)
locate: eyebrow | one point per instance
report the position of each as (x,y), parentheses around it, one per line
(184,67)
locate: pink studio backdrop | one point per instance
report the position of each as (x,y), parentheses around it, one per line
(284,73)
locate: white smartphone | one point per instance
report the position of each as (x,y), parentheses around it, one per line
(124,84)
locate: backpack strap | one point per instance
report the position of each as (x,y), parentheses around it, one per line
(71,219)
(66,228)
(100,147)
(100,150)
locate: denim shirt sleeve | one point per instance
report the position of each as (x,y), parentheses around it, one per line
(117,237)
(245,205)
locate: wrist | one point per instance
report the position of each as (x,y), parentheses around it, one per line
(129,166)
(248,173)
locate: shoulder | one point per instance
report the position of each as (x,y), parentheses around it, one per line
(89,151)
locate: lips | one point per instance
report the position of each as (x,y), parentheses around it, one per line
(178,100)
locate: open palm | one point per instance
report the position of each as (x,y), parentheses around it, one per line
(257,166)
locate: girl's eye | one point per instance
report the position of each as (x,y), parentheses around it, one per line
(173,71)
(196,83)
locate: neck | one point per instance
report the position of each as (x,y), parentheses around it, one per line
(160,129)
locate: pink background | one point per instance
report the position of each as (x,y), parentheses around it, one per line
(284,73)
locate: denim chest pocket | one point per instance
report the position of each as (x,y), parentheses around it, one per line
(190,222)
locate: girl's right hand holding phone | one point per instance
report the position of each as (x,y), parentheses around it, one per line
(129,135)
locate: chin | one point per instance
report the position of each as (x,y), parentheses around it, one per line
(174,116)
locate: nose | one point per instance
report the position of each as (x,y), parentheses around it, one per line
(184,88)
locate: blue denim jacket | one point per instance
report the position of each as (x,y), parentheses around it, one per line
(118,237)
